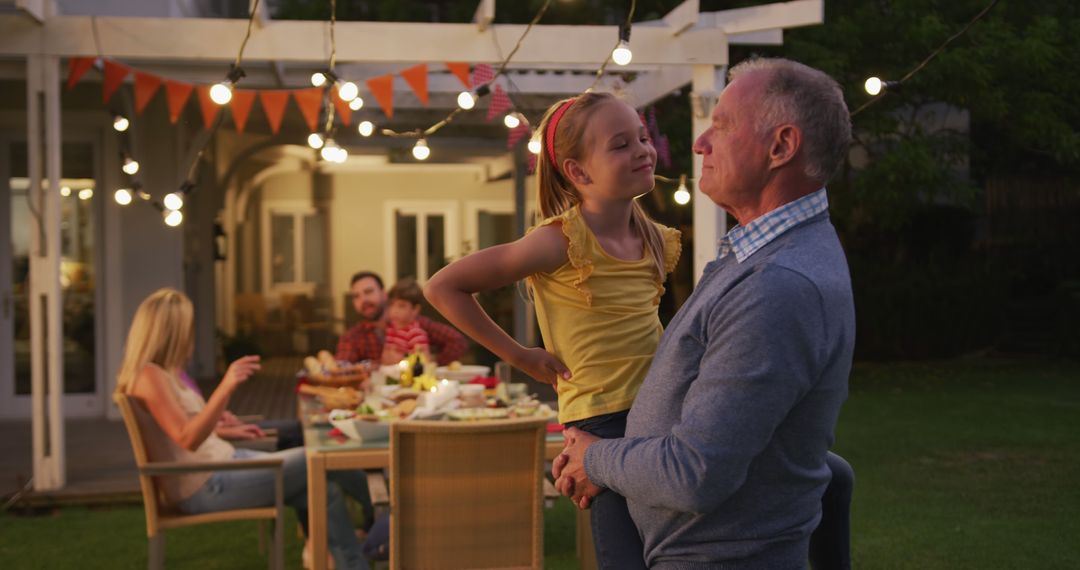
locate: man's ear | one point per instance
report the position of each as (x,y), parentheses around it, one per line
(786,142)
(575,173)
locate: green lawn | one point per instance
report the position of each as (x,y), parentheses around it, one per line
(958,465)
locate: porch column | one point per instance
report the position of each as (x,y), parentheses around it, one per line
(46,298)
(710,221)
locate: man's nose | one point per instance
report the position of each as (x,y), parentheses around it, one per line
(701,145)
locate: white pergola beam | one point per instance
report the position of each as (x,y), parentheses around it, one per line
(766,17)
(657,84)
(760,38)
(208,39)
(485,15)
(682,17)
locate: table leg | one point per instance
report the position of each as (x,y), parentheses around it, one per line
(316,474)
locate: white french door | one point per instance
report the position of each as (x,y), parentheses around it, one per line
(421,237)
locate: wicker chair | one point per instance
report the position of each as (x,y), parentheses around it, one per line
(161,517)
(467,495)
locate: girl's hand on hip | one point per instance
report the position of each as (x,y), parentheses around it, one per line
(240,370)
(542,365)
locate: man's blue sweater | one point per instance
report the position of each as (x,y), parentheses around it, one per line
(723,463)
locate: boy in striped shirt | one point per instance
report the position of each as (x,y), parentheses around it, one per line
(403,333)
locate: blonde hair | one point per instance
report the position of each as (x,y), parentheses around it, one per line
(161,333)
(556,194)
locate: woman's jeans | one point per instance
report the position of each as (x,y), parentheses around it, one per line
(226,490)
(616,538)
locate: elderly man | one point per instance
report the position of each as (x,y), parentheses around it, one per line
(724,460)
(365,340)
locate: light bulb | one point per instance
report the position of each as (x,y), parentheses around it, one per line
(221,93)
(65,191)
(120,123)
(173,201)
(315,140)
(318,79)
(86,193)
(348,90)
(511,120)
(173,218)
(873,85)
(357,103)
(131,166)
(534,146)
(122,196)
(622,54)
(366,128)
(331,152)
(466,100)
(682,196)
(421,151)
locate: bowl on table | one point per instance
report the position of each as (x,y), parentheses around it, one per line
(462,373)
(363,428)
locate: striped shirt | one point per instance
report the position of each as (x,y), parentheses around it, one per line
(745,240)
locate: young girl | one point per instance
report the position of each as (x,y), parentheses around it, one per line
(178,425)
(596,266)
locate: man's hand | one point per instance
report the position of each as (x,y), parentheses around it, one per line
(392,354)
(239,432)
(569,469)
(542,365)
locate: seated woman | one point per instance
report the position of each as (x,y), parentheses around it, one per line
(159,344)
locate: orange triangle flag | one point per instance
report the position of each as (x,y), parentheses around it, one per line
(145,86)
(242,100)
(342,108)
(114,77)
(77,66)
(310,102)
(382,87)
(416,77)
(461,70)
(273,103)
(209,107)
(176,94)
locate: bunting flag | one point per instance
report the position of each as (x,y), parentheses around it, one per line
(343,109)
(114,78)
(416,77)
(177,94)
(209,107)
(516,135)
(146,85)
(500,102)
(461,70)
(77,66)
(273,103)
(310,102)
(482,74)
(242,100)
(382,87)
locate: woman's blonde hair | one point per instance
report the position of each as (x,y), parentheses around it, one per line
(556,194)
(161,333)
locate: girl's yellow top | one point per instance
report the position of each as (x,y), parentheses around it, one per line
(598,315)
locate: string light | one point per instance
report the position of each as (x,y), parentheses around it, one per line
(331,152)
(173,201)
(348,91)
(682,195)
(122,196)
(357,103)
(466,100)
(534,146)
(173,218)
(622,55)
(86,193)
(318,79)
(421,151)
(366,128)
(131,166)
(221,93)
(512,120)
(120,123)
(65,191)
(315,140)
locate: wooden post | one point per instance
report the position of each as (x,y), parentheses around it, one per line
(710,222)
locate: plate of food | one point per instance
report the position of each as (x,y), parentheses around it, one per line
(478,414)
(461,372)
(363,427)
(323,370)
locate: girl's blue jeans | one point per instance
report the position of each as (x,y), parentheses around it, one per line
(226,490)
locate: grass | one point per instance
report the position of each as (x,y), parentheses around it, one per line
(958,465)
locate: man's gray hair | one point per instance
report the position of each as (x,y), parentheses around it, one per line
(811,100)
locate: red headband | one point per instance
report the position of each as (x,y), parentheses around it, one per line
(549,137)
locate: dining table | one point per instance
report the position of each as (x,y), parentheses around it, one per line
(327,451)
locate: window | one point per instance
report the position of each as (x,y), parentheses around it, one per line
(294,248)
(421,238)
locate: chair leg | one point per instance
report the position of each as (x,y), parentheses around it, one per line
(157,552)
(277,557)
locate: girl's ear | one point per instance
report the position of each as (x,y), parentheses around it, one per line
(575,173)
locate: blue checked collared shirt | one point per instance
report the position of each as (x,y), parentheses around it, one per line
(744,241)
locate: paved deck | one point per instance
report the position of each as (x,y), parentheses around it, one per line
(100,465)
